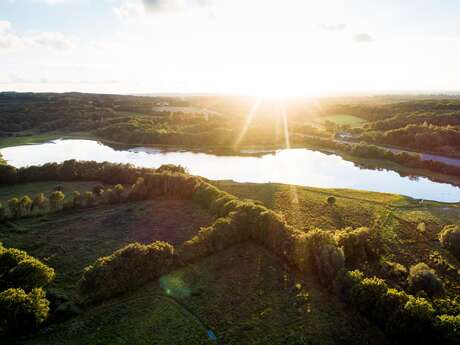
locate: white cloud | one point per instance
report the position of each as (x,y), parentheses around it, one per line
(134,8)
(52,2)
(333,27)
(51,40)
(5,25)
(363,38)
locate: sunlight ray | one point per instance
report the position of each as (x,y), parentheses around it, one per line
(248,122)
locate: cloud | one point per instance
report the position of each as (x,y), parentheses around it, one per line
(333,27)
(134,8)
(5,26)
(52,2)
(51,40)
(363,38)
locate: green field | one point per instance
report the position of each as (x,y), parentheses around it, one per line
(342,119)
(396,218)
(244,294)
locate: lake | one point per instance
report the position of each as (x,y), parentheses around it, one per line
(293,166)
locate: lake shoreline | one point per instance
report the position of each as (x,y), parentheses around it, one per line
(298,165)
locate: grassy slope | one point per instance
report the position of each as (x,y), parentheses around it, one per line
(70,241)
(395,217)
(244,294)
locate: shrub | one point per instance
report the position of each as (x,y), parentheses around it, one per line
(317,250)
(450,239)
(331,200)
(448,329)
(355,244)
(77,199)
(58,188)
(56,200)
(13,207)
(394,270)
(40,201)
(29,273)
(367,295)
(172,169)
(98,190)
(127,268)
(119,189)
(25,205)
(21,313)
(89,199)
(2,213)
(423,278)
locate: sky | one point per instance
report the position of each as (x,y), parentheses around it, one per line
(269,47)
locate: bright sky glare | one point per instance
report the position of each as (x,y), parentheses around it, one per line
(275,47)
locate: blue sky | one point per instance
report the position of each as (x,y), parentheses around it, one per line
(254,46)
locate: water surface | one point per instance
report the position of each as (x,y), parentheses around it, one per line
(294,166)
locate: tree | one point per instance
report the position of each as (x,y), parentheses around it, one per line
(331,200)
(450,239)
(56,200)
(13,207)
(8,174)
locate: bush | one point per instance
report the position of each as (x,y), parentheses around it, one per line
(28,274)
(21,313)
(317,250)
(127,268)
(448,329)
(98,190)
(77,199)
(367,295)
(172,169)
(56,200)
(355,244)
(424,279)
(450,239)
(25,205)
(331,200)
(40,201)
(89,199)
(13,207)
